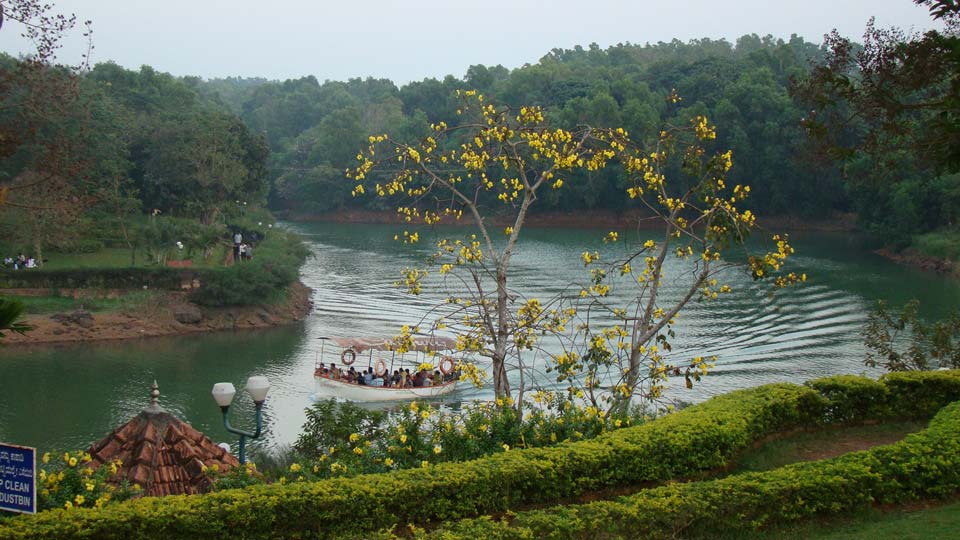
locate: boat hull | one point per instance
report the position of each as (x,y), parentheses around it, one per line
(327,388)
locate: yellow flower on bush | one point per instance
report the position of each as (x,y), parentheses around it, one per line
(425,414)
(506,447)
(72,462)
(68,505)
(403,438)
(79,500)
(424,464)
(354,437)
(295,467)
(388,462)
(358,451)
(46,457)
(90,486)
(437,449)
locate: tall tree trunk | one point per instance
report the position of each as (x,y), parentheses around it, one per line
(501,385)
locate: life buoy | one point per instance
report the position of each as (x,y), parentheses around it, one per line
(446,365)
(348,356)
(380,368)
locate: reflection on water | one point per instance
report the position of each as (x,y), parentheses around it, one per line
(65,397)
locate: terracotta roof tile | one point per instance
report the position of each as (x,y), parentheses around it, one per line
(162,454)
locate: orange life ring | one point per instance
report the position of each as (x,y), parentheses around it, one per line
(447,365)
(348,356)
(380,367)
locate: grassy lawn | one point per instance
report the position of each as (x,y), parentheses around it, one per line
(120,258)
(54,304)
(933,523)
(939,522)
(808,446)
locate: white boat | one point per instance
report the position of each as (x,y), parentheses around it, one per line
(327,387)
(376,354)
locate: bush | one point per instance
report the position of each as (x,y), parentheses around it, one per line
(276,264)
(693,441)
(850,398)
(100,278)
(924,465)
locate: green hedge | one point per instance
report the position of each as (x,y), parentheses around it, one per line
(684,444)
(924,465)
(99,278)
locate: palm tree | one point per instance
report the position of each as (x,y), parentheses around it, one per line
(10,313)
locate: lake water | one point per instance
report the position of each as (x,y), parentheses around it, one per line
(65,397)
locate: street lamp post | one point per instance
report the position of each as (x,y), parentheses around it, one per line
(223,394)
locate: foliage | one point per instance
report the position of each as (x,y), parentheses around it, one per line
(930,346)
(275,265)
(922,466)
(888,111)
(346,440)
(699,438)
(11,313)
(614,352)
(166,238)
(72,482)
(100,278)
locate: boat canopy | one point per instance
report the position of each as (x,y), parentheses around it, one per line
(420,343)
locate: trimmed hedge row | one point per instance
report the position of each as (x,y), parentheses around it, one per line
(99,278)
(924,465)
(698,439)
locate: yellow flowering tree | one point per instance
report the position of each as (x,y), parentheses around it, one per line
(495,153)
(498,161)
(618,349)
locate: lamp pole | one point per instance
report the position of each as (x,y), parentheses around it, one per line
(223,394)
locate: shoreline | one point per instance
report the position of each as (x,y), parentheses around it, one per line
(581,219)
(837,223)
(169,315)
(913,258)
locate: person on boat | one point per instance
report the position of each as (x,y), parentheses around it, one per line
(395,379)
(437,378)
(368,377)
(387,380)
(334,371)
(404,378)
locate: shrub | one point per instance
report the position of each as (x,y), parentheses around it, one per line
(924,465)
(695,440)
(275,265)
(850,398)
(99,278)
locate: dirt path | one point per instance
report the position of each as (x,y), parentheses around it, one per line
(168,314)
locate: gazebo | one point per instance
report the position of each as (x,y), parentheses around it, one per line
(161,453)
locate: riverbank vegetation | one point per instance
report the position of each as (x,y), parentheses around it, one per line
(123,143)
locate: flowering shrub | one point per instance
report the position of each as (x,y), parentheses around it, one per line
(70,481)
(345,440)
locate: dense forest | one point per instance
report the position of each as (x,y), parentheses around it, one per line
(315,129)
(147,143)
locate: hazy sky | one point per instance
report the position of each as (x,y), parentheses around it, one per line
(413,39)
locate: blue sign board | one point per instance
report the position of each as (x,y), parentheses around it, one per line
(18,478)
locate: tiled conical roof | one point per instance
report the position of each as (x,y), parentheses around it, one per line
(163,454)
